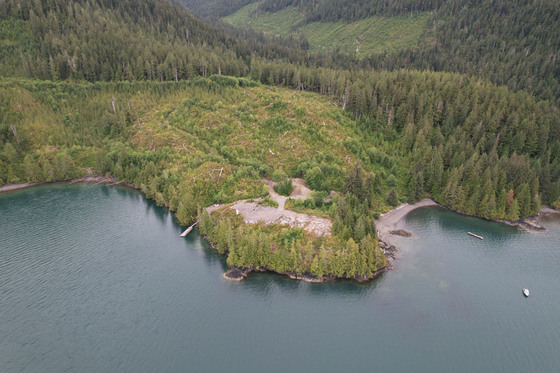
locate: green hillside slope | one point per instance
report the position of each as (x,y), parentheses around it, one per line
(515,43)
(121,40)
(192,144)
(363,37)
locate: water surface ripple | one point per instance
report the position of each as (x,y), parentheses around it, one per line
(96,278)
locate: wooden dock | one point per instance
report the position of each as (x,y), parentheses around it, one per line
(188,230)
(476,235)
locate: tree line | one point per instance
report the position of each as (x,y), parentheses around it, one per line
(349,10)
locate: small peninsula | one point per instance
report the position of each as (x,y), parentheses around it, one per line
(263,234)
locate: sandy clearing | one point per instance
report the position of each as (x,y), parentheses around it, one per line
(253,212)
(300,190)
(388,221)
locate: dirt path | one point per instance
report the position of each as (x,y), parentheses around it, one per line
(388,221)
(300,191)
(253,212)
(275,196)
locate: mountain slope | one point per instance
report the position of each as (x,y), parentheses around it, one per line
(516,43)
(120,40)
(374,34)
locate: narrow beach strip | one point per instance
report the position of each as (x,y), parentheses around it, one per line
(11,187)
(388,221)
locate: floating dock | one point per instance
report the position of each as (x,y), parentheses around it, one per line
(476,235)
(188,230)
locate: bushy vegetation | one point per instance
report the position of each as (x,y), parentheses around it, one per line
(267,201)
(319,204)
(284,188)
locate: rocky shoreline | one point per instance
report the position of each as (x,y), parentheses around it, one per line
(239,274)
(86,179)
(386,225)
(528,224)
(386,228)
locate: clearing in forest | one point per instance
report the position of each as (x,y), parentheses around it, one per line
(253,212)
(366,36)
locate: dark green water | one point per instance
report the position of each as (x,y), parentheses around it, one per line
(97,279)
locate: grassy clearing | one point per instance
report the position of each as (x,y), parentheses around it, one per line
(363,37)
(367,36)
(257,124)
(282,23)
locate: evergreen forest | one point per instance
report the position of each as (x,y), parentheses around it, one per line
(195,114)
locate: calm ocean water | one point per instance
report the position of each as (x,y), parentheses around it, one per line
(97,279)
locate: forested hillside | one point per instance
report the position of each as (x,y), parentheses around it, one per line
(193,116)
(360,38)
(119,40)
(215,9)
(461,133)
(350,10)
(514,43)
(317,10)
(444,122)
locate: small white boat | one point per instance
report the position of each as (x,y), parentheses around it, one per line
(526,292)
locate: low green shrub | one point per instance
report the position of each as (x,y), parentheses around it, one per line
(284,188)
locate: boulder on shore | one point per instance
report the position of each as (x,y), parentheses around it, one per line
(401,232)
(236,274)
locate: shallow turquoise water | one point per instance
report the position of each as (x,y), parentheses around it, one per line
(96,278)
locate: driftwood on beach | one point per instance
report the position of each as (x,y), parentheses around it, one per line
(475,235)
